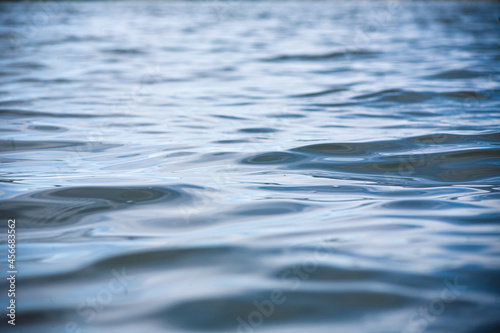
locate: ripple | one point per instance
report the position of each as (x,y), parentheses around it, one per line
(455,74)
(124,51)
(18,145)
(402,158)
(47,128)
(319,93)
(287,115)
(426,204)
(42,114)
(272,158)
(354,148)
(57,207)
(323,56)
(224,142)
(270,209)
(258,130)
(298,307)
(464,94)
(27,65)
(395,95)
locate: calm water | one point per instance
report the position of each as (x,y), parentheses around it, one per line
(231,166)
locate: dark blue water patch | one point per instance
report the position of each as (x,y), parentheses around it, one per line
(217,156)
(18,145)
(328,105)
(361,149)
(455,218)
(287,115)
(346,55)
(42,319)
(179,154)
(395,95)
(405,157)
(433,167)
(273,158)
(428,205)
(62,206)
(473,155)
(456,74)
(467,248)
(420,114)
(258,130)
(442,138)
(269,208)
(72,39)
(331,275)
(27,65)
(167,257)
(41,80)
(124,51)
(229,117)
(463,94)
(301,307)
(225,142)
(319,93)
(491,327)
(47,128)
(16,113)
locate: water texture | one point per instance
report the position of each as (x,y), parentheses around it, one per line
(233,166)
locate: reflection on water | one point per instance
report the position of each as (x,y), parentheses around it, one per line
(232,166)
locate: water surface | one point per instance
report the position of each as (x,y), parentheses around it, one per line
(231,166)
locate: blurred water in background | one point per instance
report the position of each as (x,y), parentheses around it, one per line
(233,166)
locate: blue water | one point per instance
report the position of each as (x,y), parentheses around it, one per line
(237,166)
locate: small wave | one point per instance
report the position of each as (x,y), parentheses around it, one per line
(68,205)
(455,74)
(319,93)
(225,142)
(47,128)
(353,148)
(27,65)
(20,145)
(447,162)
(395,95)
(286,115)
(423,204)
(37,80)
(463,94)
(43,114)
(269,208)
(222,116)
(323,56)
(72,39)
(124,51)
(301,306)
(258,130)
(445,138)
(272,158)
(437,168)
